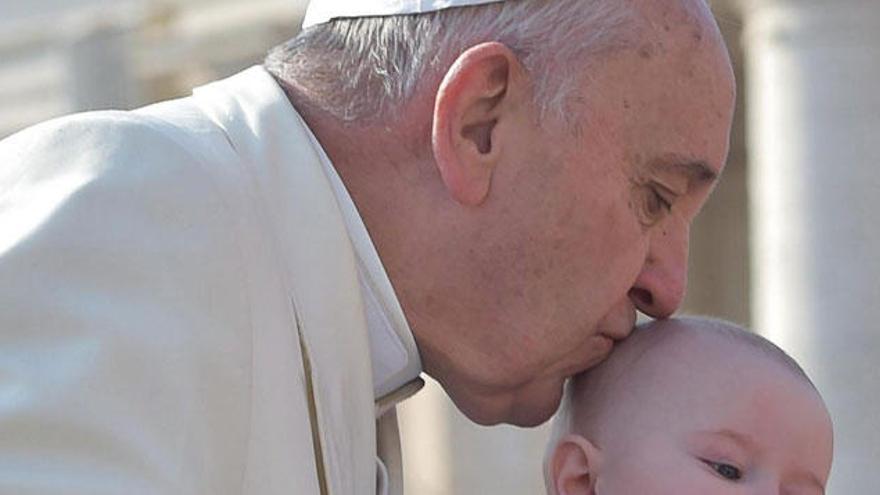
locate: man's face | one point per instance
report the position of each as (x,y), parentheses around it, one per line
(584,225)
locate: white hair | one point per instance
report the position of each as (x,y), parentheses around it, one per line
(369,67)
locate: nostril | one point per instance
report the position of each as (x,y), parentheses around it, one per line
(641,297)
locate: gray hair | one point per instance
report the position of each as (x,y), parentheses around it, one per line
(370,67)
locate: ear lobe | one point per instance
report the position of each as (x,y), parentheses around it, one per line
(470,104)
(574,466)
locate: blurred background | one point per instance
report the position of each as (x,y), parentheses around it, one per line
(788,244)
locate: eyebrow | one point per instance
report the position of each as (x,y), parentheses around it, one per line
(697,172)
(740,438)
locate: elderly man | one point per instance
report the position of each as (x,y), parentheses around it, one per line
(229,293)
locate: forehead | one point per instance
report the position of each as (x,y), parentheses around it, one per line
(670,93)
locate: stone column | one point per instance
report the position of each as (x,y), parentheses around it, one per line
(99,75)
(813,69)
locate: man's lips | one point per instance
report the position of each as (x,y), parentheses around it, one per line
(618,327)
(602,346)
(616,336)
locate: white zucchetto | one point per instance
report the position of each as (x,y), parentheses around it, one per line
(321,11)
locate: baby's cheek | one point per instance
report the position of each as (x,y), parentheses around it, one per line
(641,484)
(607,485)
(667,472)
(625,479)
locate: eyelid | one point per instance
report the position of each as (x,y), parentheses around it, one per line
(729,454)
(667,196)
(722,444)
(669,193)
(712,465)
(655,205)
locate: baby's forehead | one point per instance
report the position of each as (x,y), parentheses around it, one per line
(692,344)
(687,362)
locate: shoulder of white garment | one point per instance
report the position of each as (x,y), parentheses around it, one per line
(105,277)
(321,11)
(141,274)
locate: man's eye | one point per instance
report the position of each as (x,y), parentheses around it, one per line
(726,471)
(657,204)
(652,202)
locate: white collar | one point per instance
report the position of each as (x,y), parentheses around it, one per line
(393,352)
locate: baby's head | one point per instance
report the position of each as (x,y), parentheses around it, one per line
(691,406)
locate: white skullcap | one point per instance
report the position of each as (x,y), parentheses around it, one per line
(321,11)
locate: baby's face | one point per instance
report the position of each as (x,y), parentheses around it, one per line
(753,428)
(770,438)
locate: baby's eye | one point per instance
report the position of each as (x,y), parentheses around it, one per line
(726,471)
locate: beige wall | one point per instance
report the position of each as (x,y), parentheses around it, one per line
(719,268)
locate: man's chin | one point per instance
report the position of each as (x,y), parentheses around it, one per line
(530,418)
(526,409)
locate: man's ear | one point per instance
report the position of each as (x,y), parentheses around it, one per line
(574,466)
(472,100)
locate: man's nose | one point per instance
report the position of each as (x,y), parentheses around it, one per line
(660,287)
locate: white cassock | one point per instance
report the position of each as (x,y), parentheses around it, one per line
(190,304)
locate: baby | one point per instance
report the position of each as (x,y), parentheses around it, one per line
(691,407)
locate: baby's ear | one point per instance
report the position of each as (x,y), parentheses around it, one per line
(574,466)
